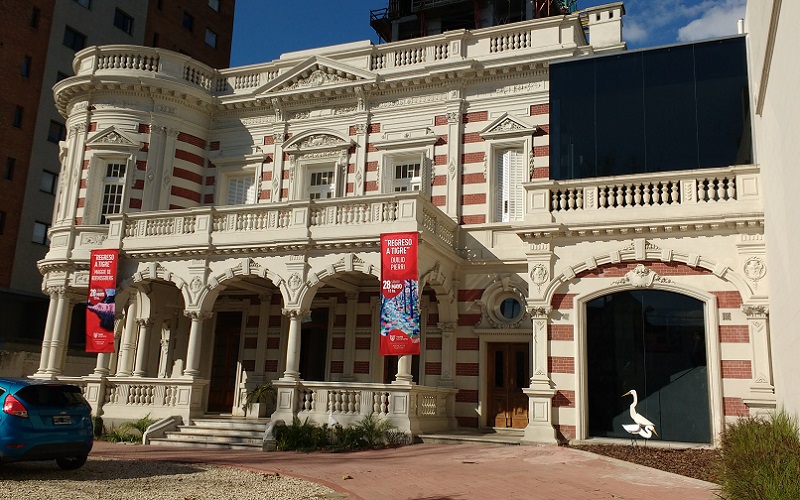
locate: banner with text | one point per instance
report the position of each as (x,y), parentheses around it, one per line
(100,309)
(400,325)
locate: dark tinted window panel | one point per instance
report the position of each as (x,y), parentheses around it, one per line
(723,115)
(670,103)
(572,112)
(619,112)
(52,395)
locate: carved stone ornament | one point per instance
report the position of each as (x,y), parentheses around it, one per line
(316,79)
(507,125)
(755,269)
(539,275)
(318,141)
(759,311)
(294,283)
(196,284)
(641,277)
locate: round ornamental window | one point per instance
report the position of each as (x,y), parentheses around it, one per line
(508,308)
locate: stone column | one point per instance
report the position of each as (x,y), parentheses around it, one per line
(292,372)
(264,308)
(143,347)
(60,335)
(359,176)
(69,200)
(454,148)
(540,393)
(404,375)
(128,342)
(350,337)
(166,174)
(762,386)
(44,358)
(195,342)
(448,334)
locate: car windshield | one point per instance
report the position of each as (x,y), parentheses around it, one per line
(52,395)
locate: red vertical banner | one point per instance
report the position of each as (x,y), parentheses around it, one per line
(400,325)
(100,309)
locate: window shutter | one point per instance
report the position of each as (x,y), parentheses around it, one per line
(515,195)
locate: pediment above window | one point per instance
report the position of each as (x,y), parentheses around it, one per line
(317,141)
(406,138)
(507,126)
(315,73)
(112,138)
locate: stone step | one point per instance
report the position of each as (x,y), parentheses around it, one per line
(218,431)
(229,423)
(499,438)
(204,444)
(217,439)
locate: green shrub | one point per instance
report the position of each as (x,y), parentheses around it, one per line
(128,432)
(370,432)
(375,430)
(120,436)
(259,394)
(761,459)
(301,436)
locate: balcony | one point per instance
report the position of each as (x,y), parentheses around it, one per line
(665,201)
(328,224)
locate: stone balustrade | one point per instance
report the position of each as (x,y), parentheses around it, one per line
(681,195)
(524,39)
(411,409)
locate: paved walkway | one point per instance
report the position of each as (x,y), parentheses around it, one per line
(447,472)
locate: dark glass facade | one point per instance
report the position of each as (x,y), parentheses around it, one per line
(651,341)
(673,108)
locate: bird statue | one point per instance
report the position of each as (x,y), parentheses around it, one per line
(642,426)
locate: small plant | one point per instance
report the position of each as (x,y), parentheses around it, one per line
(375,431)
(760,458)
(119,435)
(370,432)
(259,394)
(129,432)
(97,426)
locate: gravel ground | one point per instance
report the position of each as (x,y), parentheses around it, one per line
(150,480)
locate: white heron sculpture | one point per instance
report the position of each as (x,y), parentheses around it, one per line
(642,426)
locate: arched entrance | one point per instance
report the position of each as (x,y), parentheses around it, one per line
(652,341)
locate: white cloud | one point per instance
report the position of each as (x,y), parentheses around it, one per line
(633,32)
(719,20)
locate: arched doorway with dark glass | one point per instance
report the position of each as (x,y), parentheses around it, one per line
(652,341)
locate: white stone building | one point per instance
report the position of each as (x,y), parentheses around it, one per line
(247,205)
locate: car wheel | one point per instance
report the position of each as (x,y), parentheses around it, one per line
(71,463)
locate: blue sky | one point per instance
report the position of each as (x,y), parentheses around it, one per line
(264,29)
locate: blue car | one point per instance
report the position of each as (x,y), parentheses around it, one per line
(44,420)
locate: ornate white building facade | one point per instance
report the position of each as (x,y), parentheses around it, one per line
(247,205)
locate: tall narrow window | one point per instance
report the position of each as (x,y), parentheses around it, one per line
(2,221)
(509,202)
(57,132)
(214,4)
(407,176)
(188,21)
(48,182)
(320,184)
(26,66)
(74,39)
(9,172)
(241,190)
(123,21)
(113,190)
(84,3)
(211,38)
(35,15)
(40,233)
(17,121)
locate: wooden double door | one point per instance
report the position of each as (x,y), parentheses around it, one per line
(224,362)
(509,373)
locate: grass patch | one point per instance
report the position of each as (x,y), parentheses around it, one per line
(761,458)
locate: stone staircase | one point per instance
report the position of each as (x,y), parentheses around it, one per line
(224,433)
(508,437)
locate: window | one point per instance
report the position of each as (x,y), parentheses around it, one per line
(74,39)
(9,172)
(188,21)
(320,185)
(211,38)
(17,121)
(509,166)
(57,132)
(406,177)
(84,3)
(156,38)
(2,221)
(214,4)
(35,15)
(48,182)
(123,21)
(113,190)
(241,190)
(40,233)
(26,66)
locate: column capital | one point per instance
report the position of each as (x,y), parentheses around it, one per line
(294,313)
(199,315)
(755,311)
(144,322)
(361,128)
(453,117)
(57,290)
(539,312)
(351,296)
(265,297)
(447,328)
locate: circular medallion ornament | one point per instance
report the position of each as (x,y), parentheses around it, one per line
(539,275)
(754,268)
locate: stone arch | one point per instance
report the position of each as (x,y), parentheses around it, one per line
(244,268)
(712,345)
(154,271)
(301,140)
(442,284)
(642,251)
(304,294)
